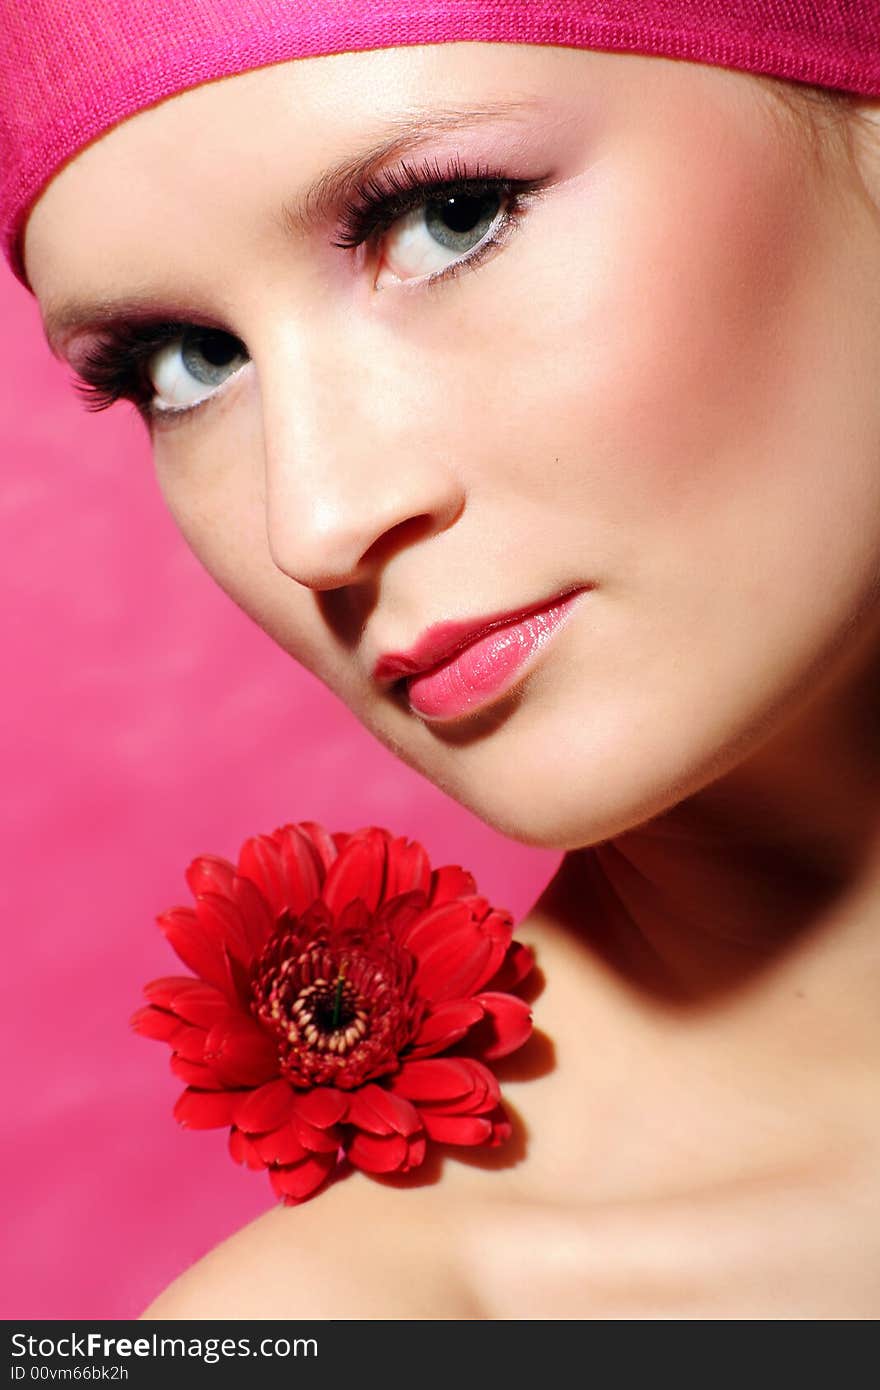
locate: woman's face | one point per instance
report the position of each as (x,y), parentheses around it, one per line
(659,386)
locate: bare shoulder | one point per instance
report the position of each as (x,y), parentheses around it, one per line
(358,1249)
(781,1245)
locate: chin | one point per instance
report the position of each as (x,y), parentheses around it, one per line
(562,799)
(571,820)
(590,782)
(563,774)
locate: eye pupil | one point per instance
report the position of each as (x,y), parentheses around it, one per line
(462,210)
(459,220)
(208,352)
(216,347)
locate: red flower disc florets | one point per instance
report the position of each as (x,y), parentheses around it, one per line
(346,1001)
(342,1005)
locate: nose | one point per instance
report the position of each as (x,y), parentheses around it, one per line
(357,462)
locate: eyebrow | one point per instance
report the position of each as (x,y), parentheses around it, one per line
(405,132)
(299,216)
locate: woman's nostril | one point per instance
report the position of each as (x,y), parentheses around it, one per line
(405,533)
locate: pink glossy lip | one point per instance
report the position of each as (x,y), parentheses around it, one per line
(485,661)
(445,639)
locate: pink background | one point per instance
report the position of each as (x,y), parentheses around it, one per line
(145,720)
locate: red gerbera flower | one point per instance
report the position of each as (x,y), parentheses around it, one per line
(347,1003)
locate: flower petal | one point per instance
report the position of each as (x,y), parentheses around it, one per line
(191,1000)
(364,1116)
(260,861)
(454,969)
(443,1025)
(314,1139)
(258,920)
(457,1129)
(202,952)
(517,964)
(244,1150)
(299,1182)
(222,920)
(507,1025)
(377,1110)
(210,873)
(155,1023)
(408,868)
(194,1074)
(301,867)
(482,1095)
(417,1151)
(450,882)
(458,962)
(501,1129)
(397,915)
(324,1106)
(238,986)
(205,1109)
(240,1052)
(357,872)
(190,1043)
(353,919)
(265,1109)
(326,845)
(435,1078)
(167,988)
(281,1146)
(435,924)
(376,1153)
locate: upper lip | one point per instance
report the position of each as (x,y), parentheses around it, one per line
(445,639)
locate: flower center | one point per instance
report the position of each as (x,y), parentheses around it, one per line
(340,1006)
(331,1018)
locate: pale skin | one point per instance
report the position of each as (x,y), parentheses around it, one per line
(664,383)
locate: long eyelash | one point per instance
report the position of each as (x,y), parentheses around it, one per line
(114,367)
(394,192)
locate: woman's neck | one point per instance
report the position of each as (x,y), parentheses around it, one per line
(712,978)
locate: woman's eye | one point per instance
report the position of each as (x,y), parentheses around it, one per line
(189,369)
(426,221)
(443,229)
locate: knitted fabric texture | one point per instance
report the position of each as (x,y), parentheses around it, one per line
(72,69)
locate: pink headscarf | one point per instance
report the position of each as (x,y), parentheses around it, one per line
(71,69)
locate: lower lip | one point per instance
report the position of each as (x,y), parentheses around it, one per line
(489,666)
